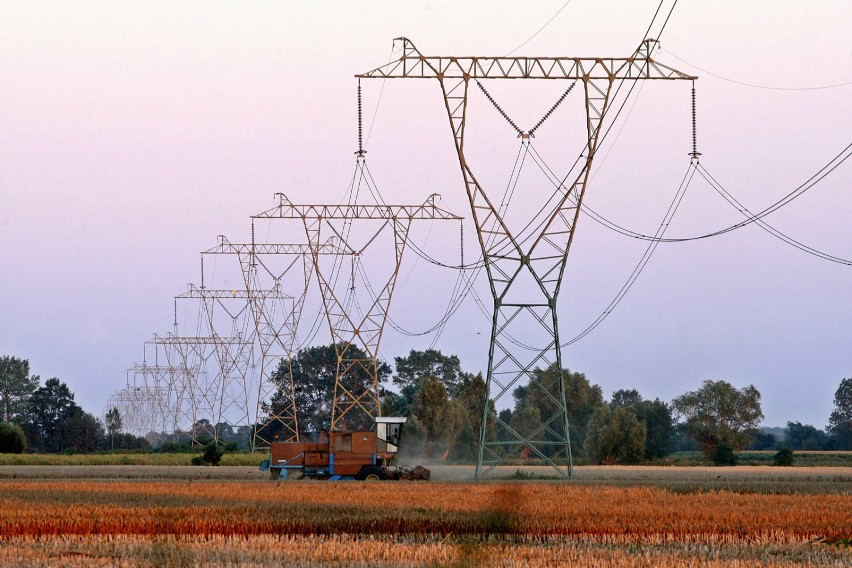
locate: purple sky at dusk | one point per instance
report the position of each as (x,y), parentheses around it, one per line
(134,133)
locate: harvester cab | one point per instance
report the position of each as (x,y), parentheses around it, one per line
(344,454)
(388,430)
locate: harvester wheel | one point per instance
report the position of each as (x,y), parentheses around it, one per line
(372,473)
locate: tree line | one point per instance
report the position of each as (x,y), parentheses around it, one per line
(444,406)
(45,418)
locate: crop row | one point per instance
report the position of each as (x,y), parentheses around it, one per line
(615,515)
(352,550)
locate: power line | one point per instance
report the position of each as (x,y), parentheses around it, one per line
(640,266)
(755,86)
(765,226)
(821,174)
(547,23)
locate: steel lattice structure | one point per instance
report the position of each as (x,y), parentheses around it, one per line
(146,402)
(196,394)
(346,328)
(226,320)
(276,317)
(513,260)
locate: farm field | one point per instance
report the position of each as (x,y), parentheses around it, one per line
(682,459)
(627,516)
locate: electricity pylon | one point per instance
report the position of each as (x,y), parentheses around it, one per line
(276,318)
(226,323)
(156,395)
(139,407)
(349,329)
(194,391)
(525,268)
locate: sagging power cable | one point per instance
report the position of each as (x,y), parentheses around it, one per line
(640,266)
(756,86)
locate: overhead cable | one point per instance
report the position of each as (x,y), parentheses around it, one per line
(756,86)
(541,29)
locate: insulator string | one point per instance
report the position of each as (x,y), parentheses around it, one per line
(695,153)
(360,151)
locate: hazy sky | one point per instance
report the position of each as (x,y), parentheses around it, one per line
(133,134)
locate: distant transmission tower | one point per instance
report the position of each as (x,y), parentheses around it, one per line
(349,326)
(226,322)
(525,268)
(276,317)
(138,405)
(148,400)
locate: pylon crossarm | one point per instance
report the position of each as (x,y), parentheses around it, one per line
(224,246)
(287,210)
(412,64)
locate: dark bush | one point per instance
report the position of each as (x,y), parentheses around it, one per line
(723,454)
(212,453)
(12,439)
(784,457)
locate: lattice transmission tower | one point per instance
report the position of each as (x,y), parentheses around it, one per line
(224,347)
(525,266)
(149,401)
(276,315)
(350,323)
(140,402)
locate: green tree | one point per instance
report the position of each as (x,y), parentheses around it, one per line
(393,404)
(723,454)
(526,420)
(418,364)
(471,396)
(504,417)
(113,425)
(762,440)
(12,438)
(659,423)
(127,441)
(655,415)
(81,431)
(412,439)
(16,388)
(442,419)
(840,421)
(718,412)
(798,436)
(625,398)
(784,457)
(212,453)
(581,398)
(50,406)
(314,370)
(615,436)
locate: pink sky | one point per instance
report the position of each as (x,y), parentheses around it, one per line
(135,133)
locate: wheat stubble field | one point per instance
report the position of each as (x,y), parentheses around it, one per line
(643,516)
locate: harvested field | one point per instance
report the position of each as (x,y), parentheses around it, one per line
(360,550)
(749,479)
(607,516)
(117,459)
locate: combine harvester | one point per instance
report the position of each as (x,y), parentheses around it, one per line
(344,454)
